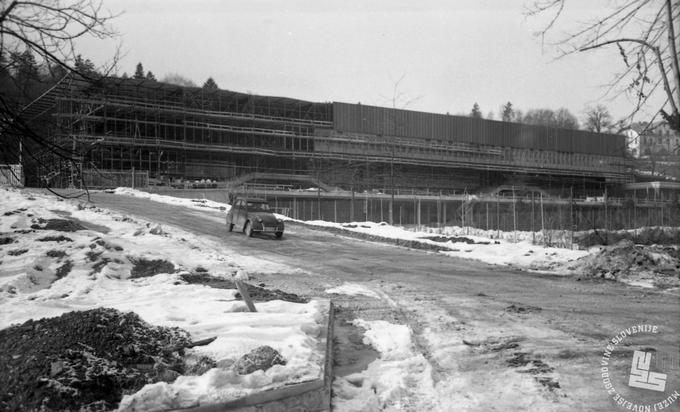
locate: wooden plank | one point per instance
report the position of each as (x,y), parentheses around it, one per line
(243,290)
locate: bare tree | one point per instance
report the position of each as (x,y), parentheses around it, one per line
(645,35)
(598,119)
(399,99)
(565,120)
(561,118)
(48,30)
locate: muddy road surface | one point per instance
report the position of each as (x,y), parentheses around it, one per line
(495,338)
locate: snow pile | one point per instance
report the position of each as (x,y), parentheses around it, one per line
(522,254)
(131,265)
(193,203)
(353,289)
(401,379)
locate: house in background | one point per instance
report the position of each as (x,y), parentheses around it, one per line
(655,140)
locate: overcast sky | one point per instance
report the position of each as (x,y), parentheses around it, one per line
(451,53)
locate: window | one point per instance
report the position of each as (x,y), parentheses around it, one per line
(258,207)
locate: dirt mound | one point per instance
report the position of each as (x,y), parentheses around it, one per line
(143,268)
(656,265)
(644,236)
(85,360)
(522,309)
(454,239)
(6,240)
(61,225)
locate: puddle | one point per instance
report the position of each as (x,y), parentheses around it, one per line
(350,353)
(86,225)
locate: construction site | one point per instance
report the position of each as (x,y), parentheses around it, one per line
(381,164)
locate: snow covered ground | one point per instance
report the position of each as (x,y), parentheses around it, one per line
(400,379)
(521,250)
(448,378)
(45,273)
(513,249)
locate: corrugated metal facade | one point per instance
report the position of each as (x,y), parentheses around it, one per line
(358,118)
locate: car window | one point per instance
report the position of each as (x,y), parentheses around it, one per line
(258,207)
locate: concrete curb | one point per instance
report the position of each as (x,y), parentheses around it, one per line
(313,395)
(411,244)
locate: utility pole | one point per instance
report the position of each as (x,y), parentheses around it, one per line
(392,187)
(571,216)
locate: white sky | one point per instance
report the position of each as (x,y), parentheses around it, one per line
(452,53)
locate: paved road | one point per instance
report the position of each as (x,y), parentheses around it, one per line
(561,320)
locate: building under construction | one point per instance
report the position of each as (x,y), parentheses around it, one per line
(175,134)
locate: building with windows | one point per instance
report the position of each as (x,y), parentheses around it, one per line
(173,134)
(657,140)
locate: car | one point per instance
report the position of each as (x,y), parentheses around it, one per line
(253,216)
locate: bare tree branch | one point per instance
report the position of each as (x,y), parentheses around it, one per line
(644,33)
(46,30)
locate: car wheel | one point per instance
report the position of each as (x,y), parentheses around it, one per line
(278,235)
(230,227)
(248,229)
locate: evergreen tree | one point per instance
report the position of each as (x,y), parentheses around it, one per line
(125,76)
(25,66)
(139,72)
(507,114)
(25,72)
(210,84)
(57,72)
(85,68)
(476,113)
(150,76)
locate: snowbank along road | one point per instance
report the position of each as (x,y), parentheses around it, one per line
(447,333)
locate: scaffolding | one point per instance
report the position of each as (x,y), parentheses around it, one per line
(176,133)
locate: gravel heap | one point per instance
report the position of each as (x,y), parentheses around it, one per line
(626,260)
(85,360)
(643,236)
(260,358)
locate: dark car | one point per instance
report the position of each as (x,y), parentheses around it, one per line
(253,216)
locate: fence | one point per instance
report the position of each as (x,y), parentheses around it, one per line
(98,179)
(551,222)
(498,214)
(548,220)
